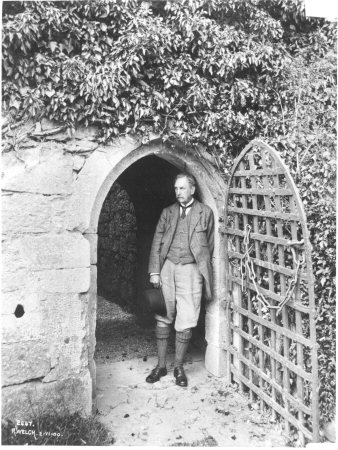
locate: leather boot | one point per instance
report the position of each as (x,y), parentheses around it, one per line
(156,374)
(182,343)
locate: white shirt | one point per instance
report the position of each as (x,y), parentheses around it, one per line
(187,206)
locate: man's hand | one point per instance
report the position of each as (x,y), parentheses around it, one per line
(155,281)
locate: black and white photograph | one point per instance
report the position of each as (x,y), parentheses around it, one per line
(168,222)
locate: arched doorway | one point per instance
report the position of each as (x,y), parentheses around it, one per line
(148,184)
(126,227)
(110,163)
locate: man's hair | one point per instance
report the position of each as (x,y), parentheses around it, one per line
(190,178)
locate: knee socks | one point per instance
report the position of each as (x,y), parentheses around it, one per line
(182,343)
(162,336)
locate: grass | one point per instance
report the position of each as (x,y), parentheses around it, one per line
(56,430)
(209,441)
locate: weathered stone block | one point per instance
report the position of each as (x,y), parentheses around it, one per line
(216,328)
(59,323)
(81,203)
(52,174)
(59,137)
(12,281)
(25,213)
(69,357)
(11,164)
(92,370)
(24,361)
(78,162)
(62,314)
(47,251)
(32,213)
(32,399)
(59,212)
(89,301)
(21,281)
(216,361)
(215,307)
(10,300)
(121,145)
(64,322)
(63,280)
(92,239)
(81,146)
(93,278)
(27,327)
(30,156)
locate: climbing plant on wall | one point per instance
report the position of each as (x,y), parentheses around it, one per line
(307,144)
(203,71)
(212,73)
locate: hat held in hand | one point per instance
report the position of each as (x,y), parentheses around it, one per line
(155,301)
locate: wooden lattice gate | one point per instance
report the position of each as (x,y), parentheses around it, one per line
(270,288)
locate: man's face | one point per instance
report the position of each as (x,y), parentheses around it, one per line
(183,190)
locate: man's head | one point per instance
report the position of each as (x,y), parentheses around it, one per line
(184,187)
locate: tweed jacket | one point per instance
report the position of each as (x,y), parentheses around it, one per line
(201,239)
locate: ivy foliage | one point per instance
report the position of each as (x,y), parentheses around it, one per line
(212,73)
(205,72)
(308,145)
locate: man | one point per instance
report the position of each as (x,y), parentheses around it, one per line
(180,259)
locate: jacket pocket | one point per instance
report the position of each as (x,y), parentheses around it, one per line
(201,233)
(200,228)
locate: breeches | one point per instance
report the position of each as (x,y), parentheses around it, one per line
(182,291)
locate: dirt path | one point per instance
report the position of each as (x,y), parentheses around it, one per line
(206,413)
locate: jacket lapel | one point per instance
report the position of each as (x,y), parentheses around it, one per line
(174,216)
(195,215)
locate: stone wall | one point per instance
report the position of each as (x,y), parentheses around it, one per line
(54,187)
(116,248)
(45,273)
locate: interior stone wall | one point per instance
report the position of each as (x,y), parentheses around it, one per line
(116,248)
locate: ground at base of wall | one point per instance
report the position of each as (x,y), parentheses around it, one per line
(206,413)
(121,335)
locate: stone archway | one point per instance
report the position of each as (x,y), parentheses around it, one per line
(148,185)
(100,171)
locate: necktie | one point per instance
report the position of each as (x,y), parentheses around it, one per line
(184,208)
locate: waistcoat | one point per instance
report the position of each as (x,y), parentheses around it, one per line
(179,251)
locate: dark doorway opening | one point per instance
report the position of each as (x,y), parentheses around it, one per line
(126,227)
(116,252)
